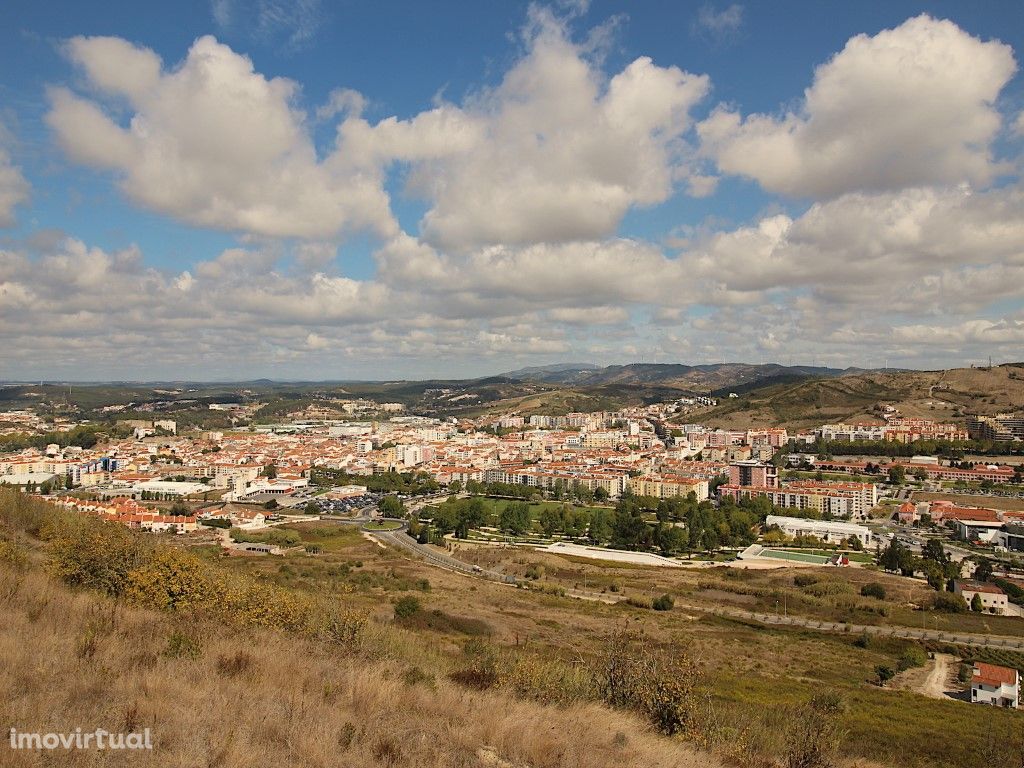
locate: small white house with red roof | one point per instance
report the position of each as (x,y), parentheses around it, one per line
(995,685)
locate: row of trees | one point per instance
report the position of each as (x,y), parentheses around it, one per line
(671,526)
(949,448)
(84,436)
(934,562)
(408,483)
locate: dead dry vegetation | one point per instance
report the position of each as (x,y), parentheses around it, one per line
(214,694)
(262,698)
(356,656)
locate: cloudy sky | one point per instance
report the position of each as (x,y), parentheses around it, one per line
(319,190)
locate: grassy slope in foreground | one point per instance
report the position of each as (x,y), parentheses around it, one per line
(226,696)
(385,696)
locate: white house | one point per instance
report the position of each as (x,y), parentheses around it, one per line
(994,685)
(826,530)
(993,599)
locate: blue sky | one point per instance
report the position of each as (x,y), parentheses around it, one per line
(503,184)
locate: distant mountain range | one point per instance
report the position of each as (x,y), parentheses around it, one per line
(699,378)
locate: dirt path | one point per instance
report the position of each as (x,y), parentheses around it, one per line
(935,684)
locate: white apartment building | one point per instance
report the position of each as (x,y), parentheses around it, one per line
(830,531)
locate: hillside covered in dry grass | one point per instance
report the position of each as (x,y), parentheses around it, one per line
(220,690)
(308,660)
(940,395)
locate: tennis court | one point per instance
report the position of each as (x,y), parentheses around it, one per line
(797,557)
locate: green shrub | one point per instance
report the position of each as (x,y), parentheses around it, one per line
(182,646)
(13,555)
(638,602)
(481,671)
(534,572)
(913,656)
(874,589)
(663,603)
(406,606)
(95,554)
(948,602)
(885,673)
(805,579)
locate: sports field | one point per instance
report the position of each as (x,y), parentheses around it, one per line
(798,557)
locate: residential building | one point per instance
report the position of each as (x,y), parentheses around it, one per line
(753,474)
(995,685)
(993,599)
(826,530)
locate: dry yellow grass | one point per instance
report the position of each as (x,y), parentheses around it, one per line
(260,698)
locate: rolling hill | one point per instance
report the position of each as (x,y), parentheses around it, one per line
(691,378)
(941,395)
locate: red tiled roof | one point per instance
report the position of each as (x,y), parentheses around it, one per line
(977,586)
(971,513)
(991,674)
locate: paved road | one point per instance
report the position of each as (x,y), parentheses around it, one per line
(400,538)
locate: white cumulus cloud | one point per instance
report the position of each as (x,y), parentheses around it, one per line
(909,106)
(211,142)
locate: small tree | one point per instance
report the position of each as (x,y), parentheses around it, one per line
(391,506)
(663,603)
(885,674)
(897,475)
(407,606)
(873,589)
(984,570)
(976,605)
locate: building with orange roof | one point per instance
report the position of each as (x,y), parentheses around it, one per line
(995,685)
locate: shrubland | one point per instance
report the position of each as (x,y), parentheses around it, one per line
(236,661)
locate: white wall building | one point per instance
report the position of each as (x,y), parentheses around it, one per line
(993,599)
(830,531)
(995,685)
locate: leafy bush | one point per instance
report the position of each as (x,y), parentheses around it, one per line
(805,579)
(663,603)
(94,554)
(913,656)
(948,602)
(13,555)
(170,580)
(659,684)
(406,606)
(815,734)
(874,589)
(885,673)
